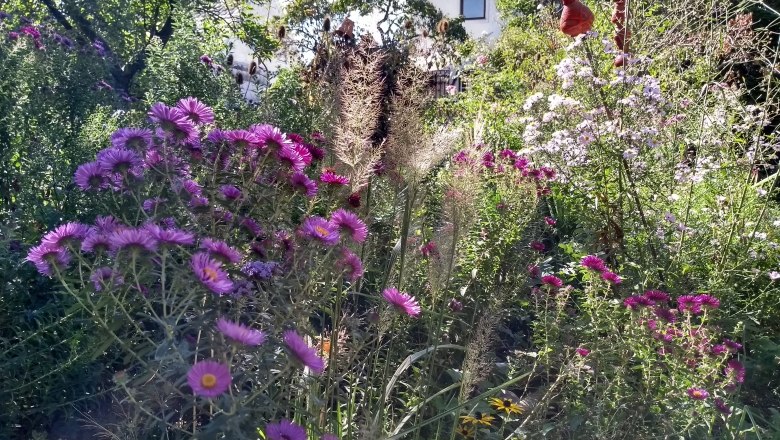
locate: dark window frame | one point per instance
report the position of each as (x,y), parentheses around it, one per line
(484,11)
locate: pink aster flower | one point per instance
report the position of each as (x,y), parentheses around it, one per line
(119,160)
(552,280)
(221,250)
(696,393)
(171,236)
(689,304)
(593,262)
(66,233)
(132,239)
(289,155)
(320,229)
(90,175)
(735,371)
(331,178)
(209,378)
(550,221)
(210,273)
(302,353)
(303,150)
(173,122)
(243,139)
(351,264)
(96,242)
(708,301)
(302,182)
(429,249)
(349,222)
(230,192)
(538,246)
(271,137)
(196,111)
(668,315)
(285,430)
(240,333)
(721,406)
(611,277)
(733,346)
(718,349)
(46,258)
(105,276)
(402,302)
(582,351)
(132,138)
(534,271)
(657,295)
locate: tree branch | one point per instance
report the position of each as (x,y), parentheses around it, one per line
(58,15)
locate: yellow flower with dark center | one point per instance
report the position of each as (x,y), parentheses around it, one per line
(506,405)
(465,431)
(478,419)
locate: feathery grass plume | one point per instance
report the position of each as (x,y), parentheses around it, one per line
(478,363)
(360,96)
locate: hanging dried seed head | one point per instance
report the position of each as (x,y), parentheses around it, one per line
(229,60)
(442,26)
(326,24)
(281,32)
(253,68)
(408,24)
(239,78)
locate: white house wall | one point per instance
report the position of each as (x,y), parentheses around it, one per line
(489,26)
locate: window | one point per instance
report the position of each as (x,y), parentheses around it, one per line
(472,9)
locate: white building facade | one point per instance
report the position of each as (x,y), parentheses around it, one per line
(481,16)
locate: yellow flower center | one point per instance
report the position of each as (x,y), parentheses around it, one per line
(210,274)
(208,380)
(322,231)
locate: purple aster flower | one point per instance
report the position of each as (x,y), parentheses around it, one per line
(534,271)
(317,153)
(538,246)
(103,276)
(329,437)
(331,178)
(120,160)
(302,182)
(593,262)
(552,280)
(488,160)
(708,301)
(13,35)
(230,192)
(668,315)
(455,305)
(260,269)
(271,137)
(90,176)
(132,239)
(240,333)
(30,31)
(733,346)
(45,258)
(303,150)
(657,295)
(611,277)
(96,242)
(632,302)
(302,353)
(252,227)
(210,273)
(65,233)
(216,136)
(349,222)
(221,250)
(198,202)
(196,111)
(506,153)
(698,393)
(192,187)
(429,249)
(351,264)
(150,205)
(320,229)
(735,371)
(209,378)
(205,59)
(550,221)
(718,349)
(285,430)
(689,304)
(243,139)
(402,302)
(288,155)
(582,351)
(132,138)
(721,406)
(107,223)
(173,121)
(171,236)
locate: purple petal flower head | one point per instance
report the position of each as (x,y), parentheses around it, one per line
(721,406)
(302,182)
(689,304)
(582,351)
(251,226)
(210,273)
(718,349)
(230,192)
(352,266)
(66,233)
(107,223)
(429,249)
(96,242)
(13,35)
(173,122)
(119,160)
(668,315)
(402,302)
(132,239)
(192,187)
(216,136)
(632,302)
(538,246)
(30,31)
(329,437)
(696,393)
(552,281)
(349,222)
(290,156)
(196,111)
(488,160)
(260,269)
(548,173)
(209,378)
(455,305)
(240,333)
(611,277)
(320,229)
(550,221)
(150,205)
(271,137)
(198,202)
(132,138)
(46,258)
(593,262)
(305,153)
(657,295)
(285,430)
(221,250)
(205,59)
(243,139)
(171,236)
(302,353)
(331,178)
(534,271)
(733,346)
(735,371)
(708,301)
(506,153)
(90,175)
(104,276)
